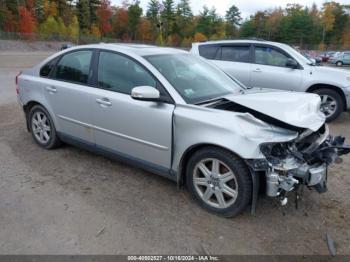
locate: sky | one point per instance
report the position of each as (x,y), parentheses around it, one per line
(247,7)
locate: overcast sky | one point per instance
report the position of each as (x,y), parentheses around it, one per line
(247,7)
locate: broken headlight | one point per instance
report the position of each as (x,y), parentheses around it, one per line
(282,156)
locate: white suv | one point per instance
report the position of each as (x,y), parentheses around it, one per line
(279,66)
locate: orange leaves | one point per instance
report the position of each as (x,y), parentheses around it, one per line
(27,23)
(104,14)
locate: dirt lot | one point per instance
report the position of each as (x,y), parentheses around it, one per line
(68,201)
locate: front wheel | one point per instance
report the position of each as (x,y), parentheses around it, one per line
(339,63)
(219,181)
(332,104)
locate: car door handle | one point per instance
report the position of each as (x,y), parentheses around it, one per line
(257,70)
(51,89)
(104,101)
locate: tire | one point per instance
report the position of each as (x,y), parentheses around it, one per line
(240,184)
(40,122)
(339,63)
(326,104)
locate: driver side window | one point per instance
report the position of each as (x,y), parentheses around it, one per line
(121,74)
(270,56)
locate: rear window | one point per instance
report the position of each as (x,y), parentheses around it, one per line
(47,68)
(208,51)
(236,53)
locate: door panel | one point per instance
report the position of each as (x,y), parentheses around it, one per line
(69,97)
(269,71)
(139,129)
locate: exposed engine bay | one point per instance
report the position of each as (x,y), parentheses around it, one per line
(291,165)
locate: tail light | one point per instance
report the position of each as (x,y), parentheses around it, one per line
(16,81)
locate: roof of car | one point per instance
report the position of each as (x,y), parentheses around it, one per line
(253,41)
(139,49)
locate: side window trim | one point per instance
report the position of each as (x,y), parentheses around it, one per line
(276,48)
(54,71)
(166,99)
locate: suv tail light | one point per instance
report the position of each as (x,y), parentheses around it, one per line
(16,81)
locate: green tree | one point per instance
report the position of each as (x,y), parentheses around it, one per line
(233,19)
(184,19)
(152,14)
(134,14)
(248,28)
(168,17)
(83,14)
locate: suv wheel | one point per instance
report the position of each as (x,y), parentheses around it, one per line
(219,181)
(42,128)
(331,103)
(339,63)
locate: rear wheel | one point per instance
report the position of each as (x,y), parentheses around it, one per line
(42,128)
(332,104)
(219,181)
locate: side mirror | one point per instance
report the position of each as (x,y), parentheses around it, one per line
(291,63)
(145,93)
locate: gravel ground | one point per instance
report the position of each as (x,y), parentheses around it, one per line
(69,201)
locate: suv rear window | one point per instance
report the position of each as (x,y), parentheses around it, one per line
(236,53)
(208,51)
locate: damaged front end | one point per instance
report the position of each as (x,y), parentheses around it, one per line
(301,162)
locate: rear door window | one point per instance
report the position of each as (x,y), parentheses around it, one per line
(48,68)
(74,67)
(208,51)
(236,53)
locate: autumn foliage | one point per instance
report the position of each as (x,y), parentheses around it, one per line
(172,22)
(27,23)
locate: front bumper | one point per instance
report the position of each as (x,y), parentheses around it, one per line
(346,91)
(314,176)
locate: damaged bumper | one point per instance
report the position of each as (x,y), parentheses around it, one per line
(302,162)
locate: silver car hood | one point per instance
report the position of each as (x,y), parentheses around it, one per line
(293,108)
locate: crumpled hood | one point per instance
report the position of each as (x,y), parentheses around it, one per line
(293,108)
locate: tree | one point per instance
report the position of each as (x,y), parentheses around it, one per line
(134,13)
(95,31)
(168,17)
(328,19)
(233,19)
(49,27)
(199,37)
(121,23)
(184,19)
(27,23)
(144,30)
(83,15)
(104,13)
(152,14)
(346,36)
(73,29)
(39,11)
(248,28)
(92,6)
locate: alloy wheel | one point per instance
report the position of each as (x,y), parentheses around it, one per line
(215,183)
(328,105)
(41,127)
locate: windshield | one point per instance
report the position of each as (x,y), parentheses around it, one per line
(194,79)
(297,54)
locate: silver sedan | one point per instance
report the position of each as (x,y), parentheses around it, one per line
(179,116)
